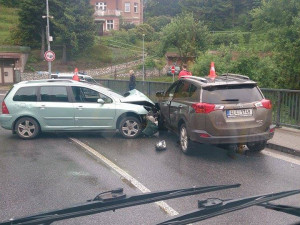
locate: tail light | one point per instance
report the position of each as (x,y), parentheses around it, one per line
(206,107)
(265,103)
(4,108)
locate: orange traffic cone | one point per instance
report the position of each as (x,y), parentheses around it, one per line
(75,77)
(212,72)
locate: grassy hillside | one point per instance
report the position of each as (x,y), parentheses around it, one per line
(8,19)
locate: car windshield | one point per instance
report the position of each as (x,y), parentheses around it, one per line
(122,112)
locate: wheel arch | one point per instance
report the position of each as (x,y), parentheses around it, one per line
(14,124)
(127,114)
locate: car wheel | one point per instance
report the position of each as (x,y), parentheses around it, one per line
(256,146)
(27,128)
(130,127)
(184,140)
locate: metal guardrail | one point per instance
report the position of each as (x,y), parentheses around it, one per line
(285,103)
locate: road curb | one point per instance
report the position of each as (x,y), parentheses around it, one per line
(283,149)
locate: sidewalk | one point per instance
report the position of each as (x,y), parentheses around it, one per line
(286,140)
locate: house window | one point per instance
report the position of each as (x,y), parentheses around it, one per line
(135,8)
(109,24)
(101,6)
(127,7)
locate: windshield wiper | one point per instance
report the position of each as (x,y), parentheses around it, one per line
(283,208)
(230,100)
(215,207)
(112,200)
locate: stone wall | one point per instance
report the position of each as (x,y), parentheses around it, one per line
(115,72)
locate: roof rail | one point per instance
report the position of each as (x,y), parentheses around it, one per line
(235,76)
(60,80)
(202,79)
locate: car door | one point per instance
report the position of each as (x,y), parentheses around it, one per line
(179,105)
(166,101)
(91,115)
(55,108)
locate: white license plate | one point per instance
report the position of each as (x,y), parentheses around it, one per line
(239,112)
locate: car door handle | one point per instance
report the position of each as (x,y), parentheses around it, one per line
(42,106)
(80,107)
(180,106)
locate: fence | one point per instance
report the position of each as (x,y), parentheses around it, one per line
(285,103)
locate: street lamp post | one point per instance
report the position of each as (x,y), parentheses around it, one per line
(143,58)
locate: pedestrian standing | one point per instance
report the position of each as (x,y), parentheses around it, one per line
(131,80)
(184,71)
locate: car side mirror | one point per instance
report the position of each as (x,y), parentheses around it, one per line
(101,101)
(160,94)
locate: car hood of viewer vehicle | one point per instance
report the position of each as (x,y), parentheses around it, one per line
(136,97)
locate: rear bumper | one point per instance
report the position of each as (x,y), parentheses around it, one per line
(6,121)
(241,139)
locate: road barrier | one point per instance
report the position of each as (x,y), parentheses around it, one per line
(285,103)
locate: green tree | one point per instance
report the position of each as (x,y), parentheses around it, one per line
(162,8)
(278,21)
(158,22)
(186,34)
(74,25)
(10,3)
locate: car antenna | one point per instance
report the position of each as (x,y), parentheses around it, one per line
(111,200)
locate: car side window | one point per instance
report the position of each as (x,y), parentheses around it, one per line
(194,93)
(54,94)
(183,90)
(171,90)
(26,94)
(82,94)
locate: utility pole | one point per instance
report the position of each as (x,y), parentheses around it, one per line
(48,36)
(143,58)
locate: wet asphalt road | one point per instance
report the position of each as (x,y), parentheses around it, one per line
(52,171)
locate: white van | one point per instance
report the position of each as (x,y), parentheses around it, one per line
(83,77)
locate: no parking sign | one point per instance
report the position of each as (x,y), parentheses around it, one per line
(49,56)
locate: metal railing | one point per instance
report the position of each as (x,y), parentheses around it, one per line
(285,103)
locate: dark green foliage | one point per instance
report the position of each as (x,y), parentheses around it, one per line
(31,23)
(158,22)
(162,8)
(10,3)
(145,29)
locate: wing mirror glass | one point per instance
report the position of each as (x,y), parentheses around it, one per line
(101,101)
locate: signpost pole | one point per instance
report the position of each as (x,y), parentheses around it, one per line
(48,38)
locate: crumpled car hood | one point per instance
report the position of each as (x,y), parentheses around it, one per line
(136,97)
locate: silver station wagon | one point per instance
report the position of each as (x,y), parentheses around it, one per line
(32,107)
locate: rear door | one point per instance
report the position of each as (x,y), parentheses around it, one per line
(239,114)
(55,108)
(91,115)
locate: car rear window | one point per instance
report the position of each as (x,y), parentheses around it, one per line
(54,94)
(26,94)
(231,94)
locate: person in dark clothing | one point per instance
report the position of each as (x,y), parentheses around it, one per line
(131,80)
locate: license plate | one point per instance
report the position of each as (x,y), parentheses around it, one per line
(239,113)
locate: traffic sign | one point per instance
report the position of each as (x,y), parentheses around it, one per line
(173,69)
(49,56)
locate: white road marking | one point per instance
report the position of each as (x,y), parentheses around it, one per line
(283,156)
(164,206)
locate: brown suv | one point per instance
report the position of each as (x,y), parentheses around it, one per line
(230,109)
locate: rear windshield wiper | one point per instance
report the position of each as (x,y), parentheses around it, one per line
(112,200)
(230,100)
(215,207)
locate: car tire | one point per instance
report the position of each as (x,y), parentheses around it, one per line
(256,146)
(27,128)
(130,127)
(184,140)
